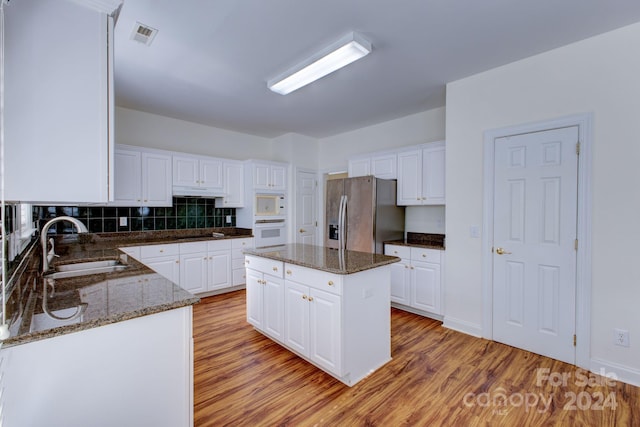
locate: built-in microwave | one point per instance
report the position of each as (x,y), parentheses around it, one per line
(270,205)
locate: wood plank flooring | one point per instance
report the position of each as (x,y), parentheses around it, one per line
(437,377)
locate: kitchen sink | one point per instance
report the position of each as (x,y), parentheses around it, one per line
(85,268)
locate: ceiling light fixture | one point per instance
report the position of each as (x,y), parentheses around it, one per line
(339,54)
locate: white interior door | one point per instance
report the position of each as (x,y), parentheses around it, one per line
(534,260)
(306,202)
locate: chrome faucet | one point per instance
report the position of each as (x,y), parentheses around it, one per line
(47,257)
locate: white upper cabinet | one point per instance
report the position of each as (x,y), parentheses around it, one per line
(380,165)
(58,102)
(193,175)
(233,184)
(142,178)
(421,175)
(269,176)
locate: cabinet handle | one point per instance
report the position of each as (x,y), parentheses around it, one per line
(289,272)
(395,252)
(246,261)
(161,250)
(310,299)
(330,282)
(275,268)
(412,267)
(424,255)
(177,261)
(406,266)
(305,297)
(302,230)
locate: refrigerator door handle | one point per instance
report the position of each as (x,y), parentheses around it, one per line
(343,223)
(340,223)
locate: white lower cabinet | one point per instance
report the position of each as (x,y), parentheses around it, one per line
(415,280)
(313,325)
(338,322)
(197,267)
(205,266)
(265,297)
(163,259)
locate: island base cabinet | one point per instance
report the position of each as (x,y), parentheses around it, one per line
(265,303)
(312,325)
(137,372)
(341,323)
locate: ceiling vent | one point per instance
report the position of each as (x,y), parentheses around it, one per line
(143,33)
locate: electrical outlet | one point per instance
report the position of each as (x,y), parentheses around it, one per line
(621,337)
(228,219)
(123,221)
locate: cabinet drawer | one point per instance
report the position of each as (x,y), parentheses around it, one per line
(399,251)
(219,245)
(317,279)
(243,243)
(426,255)
(193,247)
(264,265)
(132,251)
(151,251)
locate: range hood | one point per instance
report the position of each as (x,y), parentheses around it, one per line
(197,191)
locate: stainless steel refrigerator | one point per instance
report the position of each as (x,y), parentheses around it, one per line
(362,213)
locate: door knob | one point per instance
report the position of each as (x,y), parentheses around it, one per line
(302,230)
(501,251)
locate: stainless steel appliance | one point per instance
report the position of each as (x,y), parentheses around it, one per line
(362,213)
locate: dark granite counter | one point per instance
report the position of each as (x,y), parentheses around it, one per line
(324,259)
(47,306)
(421,240)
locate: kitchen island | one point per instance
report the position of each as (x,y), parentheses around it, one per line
(328,306)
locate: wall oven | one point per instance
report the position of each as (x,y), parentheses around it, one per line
(269,232)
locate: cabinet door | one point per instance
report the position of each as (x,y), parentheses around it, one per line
(127,178)
(219,270)
(255,295)
(185,171)
(433,175)
(384,166)
(359,167)
(425,278)
(296,317)
(400,282)
(211,173)
(57,93)
(273,308)
(261,176)
(278,177)
(167,267)
(156,180)
(410,178)
(194,272)
(233,185)
(325,347)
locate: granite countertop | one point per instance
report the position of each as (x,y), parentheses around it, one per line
(421,240)
(323,258)
(105,298)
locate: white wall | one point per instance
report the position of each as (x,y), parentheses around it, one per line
(142,129)
(427,126)
(299,150)
(599,75)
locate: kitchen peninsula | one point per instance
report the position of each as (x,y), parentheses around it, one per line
(328,306)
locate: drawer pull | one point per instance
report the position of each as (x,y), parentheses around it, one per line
(275,269)
(424,255)
(330,282)
(161,250)
(395,252)
(289,272)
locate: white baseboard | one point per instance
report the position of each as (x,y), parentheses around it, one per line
(622,373)
(462,326)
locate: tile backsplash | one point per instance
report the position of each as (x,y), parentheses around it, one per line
(185,213)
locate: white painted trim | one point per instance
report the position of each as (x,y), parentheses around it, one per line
(463,326)
(583,260)
(103,6)
(622,373)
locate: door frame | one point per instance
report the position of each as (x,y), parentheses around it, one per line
(583,257)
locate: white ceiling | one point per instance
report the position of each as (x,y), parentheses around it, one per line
(211,59)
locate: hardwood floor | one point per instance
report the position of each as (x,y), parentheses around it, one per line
(437,377)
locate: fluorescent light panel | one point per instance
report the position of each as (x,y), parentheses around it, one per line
(345,51)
